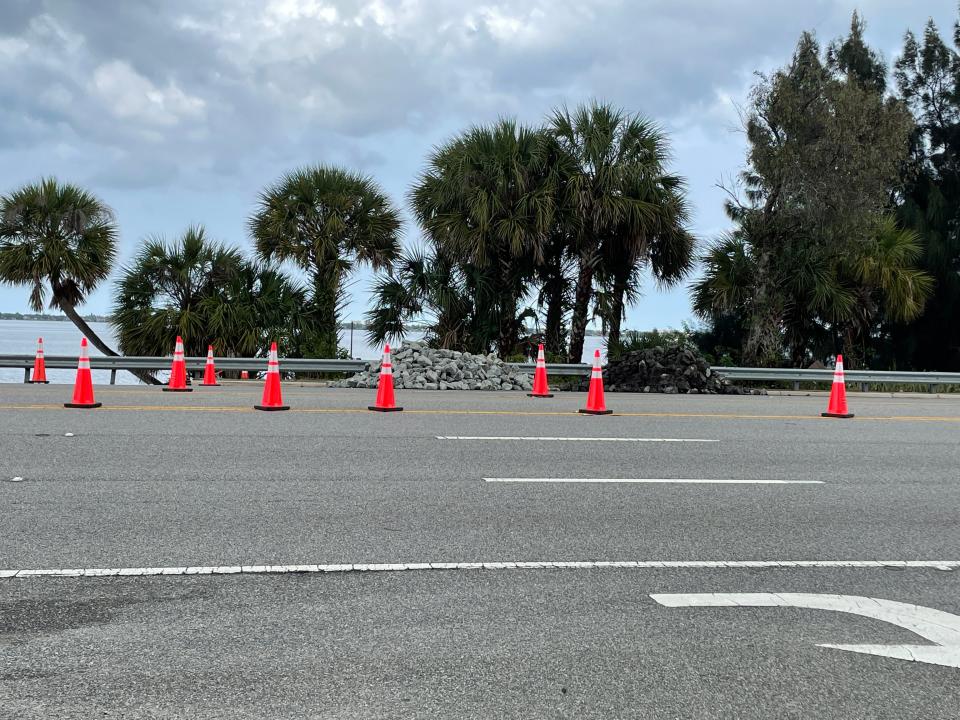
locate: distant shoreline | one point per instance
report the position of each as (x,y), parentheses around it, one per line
(51,318)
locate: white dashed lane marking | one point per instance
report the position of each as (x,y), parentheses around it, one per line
(679,481)
(540,438)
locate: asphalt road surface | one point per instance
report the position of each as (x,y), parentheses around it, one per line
(309,500)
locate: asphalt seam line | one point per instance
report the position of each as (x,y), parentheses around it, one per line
(519,565)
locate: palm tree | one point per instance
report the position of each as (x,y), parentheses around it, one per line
(554,297)
(158,296)
(884,281)
(207,293)
(663,246)
(453,299)
(60,239)
(256,305)
(820,291)
(615,201)
(487,201)
(327,221)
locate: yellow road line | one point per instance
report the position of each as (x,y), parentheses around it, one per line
(569,413)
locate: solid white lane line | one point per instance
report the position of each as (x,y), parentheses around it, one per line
(499,565)
(539,438)
(680,481)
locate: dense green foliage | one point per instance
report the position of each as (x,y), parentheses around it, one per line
(927,76)
(207,293)
(573,212)
(487,202)
(817,262)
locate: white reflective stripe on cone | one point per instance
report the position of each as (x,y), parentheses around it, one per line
(84,364)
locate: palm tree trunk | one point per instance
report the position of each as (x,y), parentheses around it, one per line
(616,310)
(554,324)
(508,331)
(71,312)
(762,344)
(581,307)
(325,299)
(554,289)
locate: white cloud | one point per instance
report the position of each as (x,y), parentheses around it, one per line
(131,96)
(165,99)
(12,47)
(283,12)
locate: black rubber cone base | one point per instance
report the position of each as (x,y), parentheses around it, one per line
(82,406)
(545,395)
(837,415)
(271,408)
(169,389)
(595,412)
(38,382)
(380,409)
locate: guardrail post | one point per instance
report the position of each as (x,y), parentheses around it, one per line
(796,384)
(113,377)
(864,387)
(26,375)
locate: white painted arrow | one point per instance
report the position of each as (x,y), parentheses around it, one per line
(936,626)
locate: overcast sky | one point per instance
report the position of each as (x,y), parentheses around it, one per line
(179,111)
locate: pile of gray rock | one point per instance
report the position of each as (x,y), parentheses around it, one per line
(418,367)
(671,369)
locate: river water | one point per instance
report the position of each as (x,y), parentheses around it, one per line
(19,337)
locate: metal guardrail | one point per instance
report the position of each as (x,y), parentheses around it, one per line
(121,362)
(863,377)
(794,375)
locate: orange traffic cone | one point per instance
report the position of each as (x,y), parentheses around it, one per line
(540,388)
(210,371)
(178,371)
(385,399)
(39,368)
(837,407)
(272,399)
(83,388)
(595,403)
